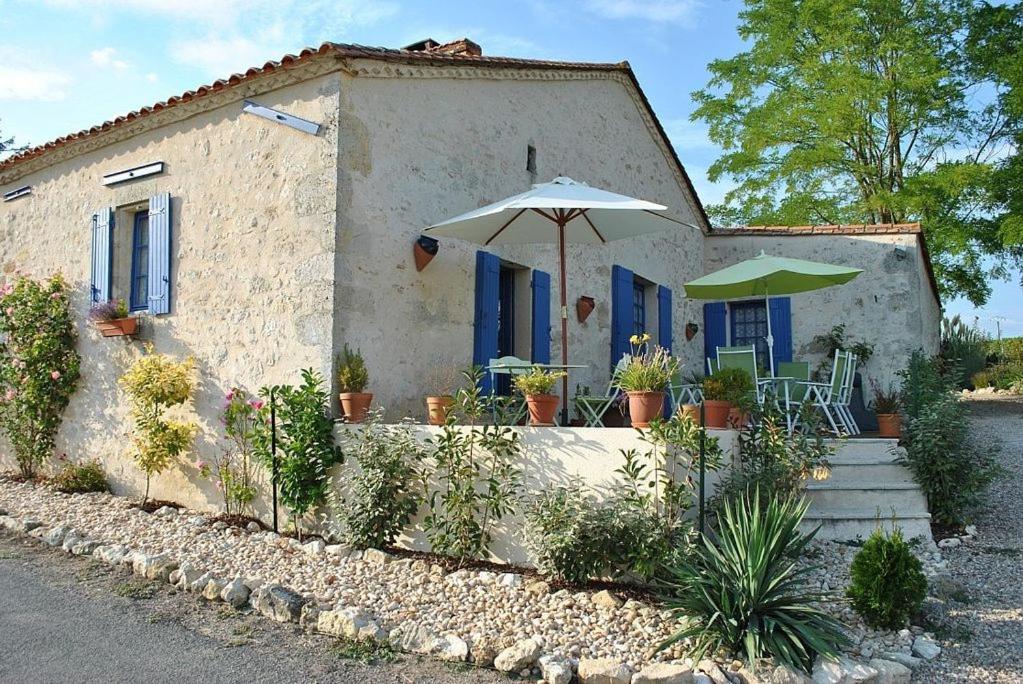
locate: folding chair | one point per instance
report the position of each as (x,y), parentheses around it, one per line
(826,395)
(845,396)
(743,358)
(593,408)
(682,393)
(794,391)
(511,407)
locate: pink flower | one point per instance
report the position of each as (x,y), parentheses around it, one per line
(10,395)
(10,311)
(55,295)
(256,404)
(201,465)
(55,375)
(230,395)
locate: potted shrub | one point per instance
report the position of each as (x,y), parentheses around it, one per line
(537,386)
(886,405)
(113,319)
(645,378)
(739,393)
(352,378)
(715,403)
(442,380)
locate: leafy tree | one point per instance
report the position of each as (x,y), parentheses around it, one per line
(867,111)
(7,145)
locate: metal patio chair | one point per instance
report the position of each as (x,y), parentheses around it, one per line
(744,358)
(791,393)
(593,408)
(826,396)
(512,408)
(683,393)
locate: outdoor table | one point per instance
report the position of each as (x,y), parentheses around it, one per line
(779,384)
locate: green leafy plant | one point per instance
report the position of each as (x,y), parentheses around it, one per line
(156,383)
(377,495)
(733,385)
(648,370)
(964,347)
(233,469)
(887,581)
(351,372)
(887,400)
(39,367)
(537,381)
(836,340)
(745,592)
(474,478)
(305,443)
(80,478)
(562,535)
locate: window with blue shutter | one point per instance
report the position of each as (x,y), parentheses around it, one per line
(714,333)
(749,327)
(102,254)
(139,297)
(638,306)
(488,285)
(664,322)
(622,321)
(781,328)
(158,280)
(541,317)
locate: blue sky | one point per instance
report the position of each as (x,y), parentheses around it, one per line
(69,64)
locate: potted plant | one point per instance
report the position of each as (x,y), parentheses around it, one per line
(537,385)
(442,380)
(113,319)
(886,405)
(352,379)
(715,403)
(739,393)
(645,378)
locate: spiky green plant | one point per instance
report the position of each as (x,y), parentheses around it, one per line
(745,592)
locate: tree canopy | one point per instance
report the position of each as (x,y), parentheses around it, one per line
(878,111)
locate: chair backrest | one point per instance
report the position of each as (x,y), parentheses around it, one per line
(800,371)
(743,358)
(612,384)
(850,377)
(508,365)
(838,373)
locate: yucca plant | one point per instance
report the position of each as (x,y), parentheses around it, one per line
(745,592)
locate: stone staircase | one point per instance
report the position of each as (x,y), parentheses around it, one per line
(866,484)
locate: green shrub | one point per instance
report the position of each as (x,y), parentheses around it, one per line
(1006,350)
(305,443)
(537,381)
(376,500)
(1001,376)
(39,366)
(745,592)
(887,581)
(80,478)
(733,385)
(963,348)
(352,375)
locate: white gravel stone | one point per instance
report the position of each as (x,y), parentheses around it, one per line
(663,673)
(890,672)
(926,648)
(949,543)
(235,593)
(604,671)
(521,654)
(556,669)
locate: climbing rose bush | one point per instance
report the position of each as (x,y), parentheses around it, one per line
(39,367)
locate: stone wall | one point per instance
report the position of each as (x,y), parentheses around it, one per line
(253,218)
(891,304)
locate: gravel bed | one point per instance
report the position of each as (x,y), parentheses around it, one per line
(979,611)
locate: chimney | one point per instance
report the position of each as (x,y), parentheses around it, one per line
(462,46)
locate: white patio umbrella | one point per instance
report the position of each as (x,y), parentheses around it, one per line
(560,212)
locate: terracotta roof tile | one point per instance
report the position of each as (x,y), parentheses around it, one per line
(826,229)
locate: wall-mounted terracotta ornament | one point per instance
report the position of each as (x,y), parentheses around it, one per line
(584,306)
(424,250)
(691,330)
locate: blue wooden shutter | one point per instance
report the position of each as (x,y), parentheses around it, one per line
(159,253)
(780,312)
(488,281)
(621,312)
(541,286)
(102,254)
(664,325)
(714,334)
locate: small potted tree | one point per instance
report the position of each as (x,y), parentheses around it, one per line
(352,378)
(886,405)
(645,379)
(537,386)
(113,319)
(715,402)
(442,380)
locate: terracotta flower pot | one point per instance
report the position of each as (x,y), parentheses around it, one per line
(584,307)
(644,407)
(356,405)
(118,327)
(692,411)
(542,408)
(715,413)
(691,330)
(737,418)
(889,425)
(437,409)
(424,250)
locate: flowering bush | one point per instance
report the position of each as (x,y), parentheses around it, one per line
(647,370)
(233,469)
(39,366)
(109,311)
(155,383)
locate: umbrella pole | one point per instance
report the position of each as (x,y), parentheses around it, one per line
(564,322)
(770,337)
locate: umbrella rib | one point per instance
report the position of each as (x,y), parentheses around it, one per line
(545,215)
(597,232)
(668,218)
(501,229)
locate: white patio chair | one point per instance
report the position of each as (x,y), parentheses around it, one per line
(744,358)
(514,406)
(845,396)
(592,408)
(826,396)
(683,393)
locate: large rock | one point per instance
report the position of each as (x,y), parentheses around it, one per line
(912,662)
(517,657)
(72,537)
(604,671)
(784,674)
(55,535)
(376,556)
(712,670)
(605,599)
(890,672)
(314,548)
(483,650)
(663,673)
(412,637)
(112,555)
(556,669)
(86,547)
(235,593)
(278,603)
(449,647)
(926,648)
(843,671)
(345,622)
(154,567)
(29,524)
(13,524)
(213,588)
(187,574)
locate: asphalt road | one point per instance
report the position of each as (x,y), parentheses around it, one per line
(65,619)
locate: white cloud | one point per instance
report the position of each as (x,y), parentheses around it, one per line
(26,83)
(105,58)
(687,135)
(222,57)
(655,11)
(152,78)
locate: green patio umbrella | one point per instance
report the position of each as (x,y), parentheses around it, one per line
(766,275)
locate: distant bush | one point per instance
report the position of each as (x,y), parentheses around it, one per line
(1000,376)
(964,349)
(80,478)
(1006,350)
(888,584)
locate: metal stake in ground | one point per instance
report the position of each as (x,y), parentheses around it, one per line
(273,450)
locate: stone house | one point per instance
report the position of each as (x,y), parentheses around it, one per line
(264,221)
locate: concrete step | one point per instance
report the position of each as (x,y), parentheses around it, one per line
(858,447)
(842,525)
(903,497)
(877,472)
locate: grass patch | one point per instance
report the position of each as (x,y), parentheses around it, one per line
(135,589)
(366,652)
(8,555)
